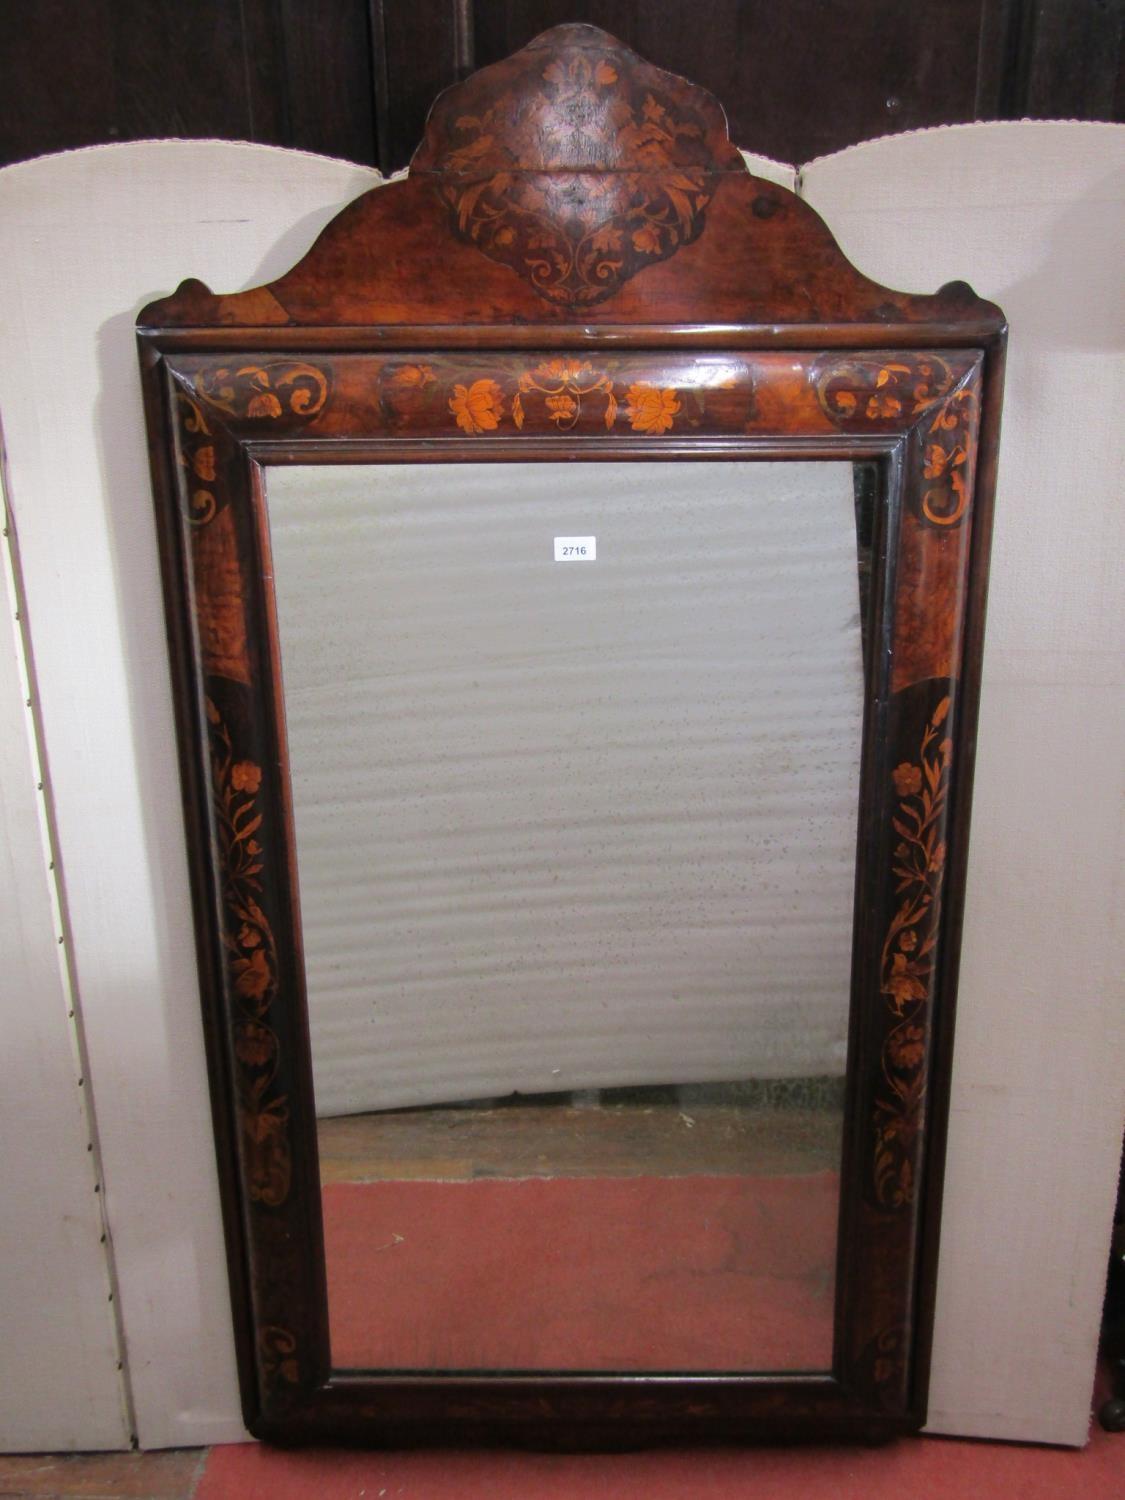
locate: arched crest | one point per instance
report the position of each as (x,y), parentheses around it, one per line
(572,182)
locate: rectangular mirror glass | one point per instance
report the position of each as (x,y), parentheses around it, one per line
(577,843)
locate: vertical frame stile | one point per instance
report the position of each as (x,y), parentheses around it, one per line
(159,394)
(855,1152)
(974,608)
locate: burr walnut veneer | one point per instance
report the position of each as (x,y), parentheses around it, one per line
(578,266)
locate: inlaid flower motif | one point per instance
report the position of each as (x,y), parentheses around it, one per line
(937,461)
(908,1047)
(564,371)
(646,240)
(562,408)
(478,407)
(265,404)
(203,462)
(253,963)
(883,404)
(908,963)
(245,776)
(903,981)
(650,409)
(252,976)
(907,779)
(254,1044)
(503,174)
(413,377)
(564,385)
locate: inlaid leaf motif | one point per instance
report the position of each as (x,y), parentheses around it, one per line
(858,390)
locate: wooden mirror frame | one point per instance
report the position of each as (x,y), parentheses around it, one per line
(579,266)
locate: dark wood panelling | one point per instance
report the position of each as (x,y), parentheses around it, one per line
(1071,56)
(798,79)
(356,78)
(66,101)
(80,74)
(328,92)
(418,49)
(85,72)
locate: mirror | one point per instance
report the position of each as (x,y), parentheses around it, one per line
(575,576)
(576,843)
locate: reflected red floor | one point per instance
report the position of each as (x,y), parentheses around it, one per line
(637,1273)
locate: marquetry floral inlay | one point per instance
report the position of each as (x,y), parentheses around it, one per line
(277,1354)
(562,383)
(862,391)
(477,407)
(196,454)
(580,178)
(251,955)
(909,954)
(271,390)
(557,394)
(950,457)
(651,410)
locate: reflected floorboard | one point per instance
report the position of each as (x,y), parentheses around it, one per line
(558,1137)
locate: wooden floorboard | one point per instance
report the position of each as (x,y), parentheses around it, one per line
(171,1474)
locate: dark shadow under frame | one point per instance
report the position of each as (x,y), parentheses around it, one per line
(917,385)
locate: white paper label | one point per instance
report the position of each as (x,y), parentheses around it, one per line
(576,548)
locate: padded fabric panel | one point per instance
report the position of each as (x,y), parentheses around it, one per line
(1033,215)
(86,239)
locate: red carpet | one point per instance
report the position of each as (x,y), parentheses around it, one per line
(627,1273)
(921,1469)
(913,1469)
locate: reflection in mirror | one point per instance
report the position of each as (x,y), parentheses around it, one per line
(576,844)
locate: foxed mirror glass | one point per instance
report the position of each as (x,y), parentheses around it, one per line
(576,832)
(575,576)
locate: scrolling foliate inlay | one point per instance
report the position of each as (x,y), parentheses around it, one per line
(276,388)
(558,393)
(252,965)
(869,392)
(197,456)
(554,395)
(286,391)
(576,165)
(950,456)
(562,384)
(908,958)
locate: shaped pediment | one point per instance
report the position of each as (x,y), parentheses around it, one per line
(573,182)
